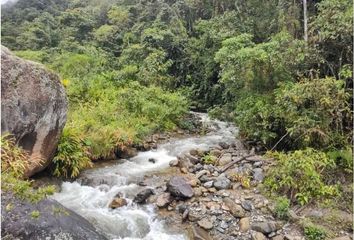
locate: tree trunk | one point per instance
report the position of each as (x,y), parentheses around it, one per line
(305,20)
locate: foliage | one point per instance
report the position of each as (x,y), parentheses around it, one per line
(300,175)
(242,178)
(343,158)
(282,207)
(14,160)
(71,155)
(35,214)
(209,159)
(313,232)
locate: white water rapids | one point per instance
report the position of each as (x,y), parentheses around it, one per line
(134,221)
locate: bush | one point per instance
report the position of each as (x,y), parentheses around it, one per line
(281,209)
(314,233)
(209,159)
(71,156)
(343,158)
(14,161)
(300,175)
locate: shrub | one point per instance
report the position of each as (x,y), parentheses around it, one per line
(299,175)
(343,158)
(282,206)
(71,156)
(14,159)
(313,232)
(209,159)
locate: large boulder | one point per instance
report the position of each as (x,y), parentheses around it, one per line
(46,219)
(33,108)
(179,187)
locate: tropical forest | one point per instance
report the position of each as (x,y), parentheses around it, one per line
(177,119)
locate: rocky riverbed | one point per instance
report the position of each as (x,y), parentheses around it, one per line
(196,186)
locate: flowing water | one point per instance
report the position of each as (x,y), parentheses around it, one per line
(92,193)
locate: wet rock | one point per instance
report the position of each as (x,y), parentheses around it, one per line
(143,195)
(152,160)
(54,221)
(225,159)
(118,202)
(342,238)
(258,174)
(193,152)
(208,184)
(224,145)
(278,237)
(215,153)
(163,200)
(244,224)
(197,233)
(258,236)
(179,187)
(265,227)
(201,173)
(247,205)
(128,152)
(205,223)
(33,108)
(235,209)
(222,182)
(173,163)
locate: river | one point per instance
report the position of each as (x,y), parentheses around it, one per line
(91,198)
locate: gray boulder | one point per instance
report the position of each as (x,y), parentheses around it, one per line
(179,187)
(52,221)
(33,108)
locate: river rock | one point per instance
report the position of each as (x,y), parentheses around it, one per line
(163,200)
(117,203)
(258,174)
(174,163)
(208,184)
(127,152)
(225,159)
(143,195)
(224,145)
(201,173)
(152,160)
(33,108)
(222,182)
(53,222)
(197,233)
(247,205)
(205,223)
(235,209)
(258,236)
(244,224)
(215,153)
(265,227)
(179,187)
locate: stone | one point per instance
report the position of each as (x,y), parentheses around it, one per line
(265,227)
(54,221)
(118,202)
(193,152)
(143,195)
(278,237)
(244,224)
(222,182)
(184,170)
(194,215)
(152,160)
(224,145)
(225,159)
(127,152)
(163,200)
(235,209)
(291,237)
(205,223)
(173,163)
(258,174)
(179,187)
(224,225)
(208,184)
(215,153)
(247,205)
(342,238)
(197,233)
(33,108)
(258,236)
(201,173)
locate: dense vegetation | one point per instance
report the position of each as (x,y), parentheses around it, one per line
(135,67)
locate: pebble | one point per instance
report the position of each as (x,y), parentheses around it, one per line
(205,223)
(208,184)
